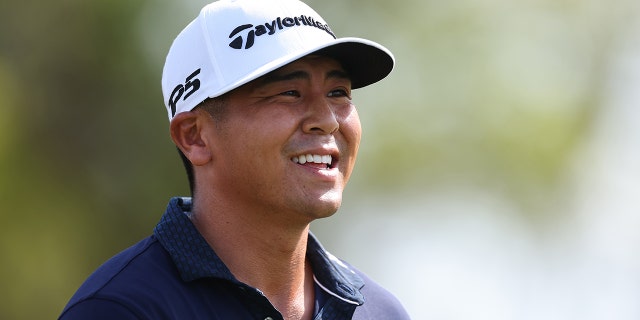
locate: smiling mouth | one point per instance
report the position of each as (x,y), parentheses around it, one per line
(316,160)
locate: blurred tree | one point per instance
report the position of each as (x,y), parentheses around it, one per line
(81,166)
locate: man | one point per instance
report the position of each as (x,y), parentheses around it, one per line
(258,94)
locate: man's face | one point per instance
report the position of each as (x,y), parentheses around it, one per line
(288,141)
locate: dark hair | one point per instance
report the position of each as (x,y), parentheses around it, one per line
(189,168)
(216,108)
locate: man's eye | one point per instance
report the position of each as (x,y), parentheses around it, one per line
(292,93)
(339,93)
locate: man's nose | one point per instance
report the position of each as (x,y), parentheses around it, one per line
(321,117)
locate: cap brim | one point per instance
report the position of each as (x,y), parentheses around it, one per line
(365,61)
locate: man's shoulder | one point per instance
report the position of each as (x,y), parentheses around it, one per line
(145,261)
(134,275)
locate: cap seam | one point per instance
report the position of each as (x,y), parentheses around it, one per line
(209,45)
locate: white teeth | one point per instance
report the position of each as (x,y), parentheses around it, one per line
(315,158)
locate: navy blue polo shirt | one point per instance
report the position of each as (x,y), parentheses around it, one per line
(175,274)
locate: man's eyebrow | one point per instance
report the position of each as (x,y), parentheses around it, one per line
(279,77)
(338,74)
(296,75)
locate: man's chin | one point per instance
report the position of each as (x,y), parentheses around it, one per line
(326,207)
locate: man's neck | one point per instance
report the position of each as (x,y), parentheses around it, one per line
(264,254)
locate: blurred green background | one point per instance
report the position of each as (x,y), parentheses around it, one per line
(498,176)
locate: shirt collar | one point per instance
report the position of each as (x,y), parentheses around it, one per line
(195,259)
(190,252)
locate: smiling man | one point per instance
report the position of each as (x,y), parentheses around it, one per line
(258,94)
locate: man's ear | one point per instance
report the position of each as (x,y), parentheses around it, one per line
(187,133)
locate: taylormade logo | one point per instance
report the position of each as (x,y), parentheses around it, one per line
(270,28)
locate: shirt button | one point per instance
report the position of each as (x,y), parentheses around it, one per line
(268,318)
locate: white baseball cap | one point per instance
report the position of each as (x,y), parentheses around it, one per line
(233,42)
